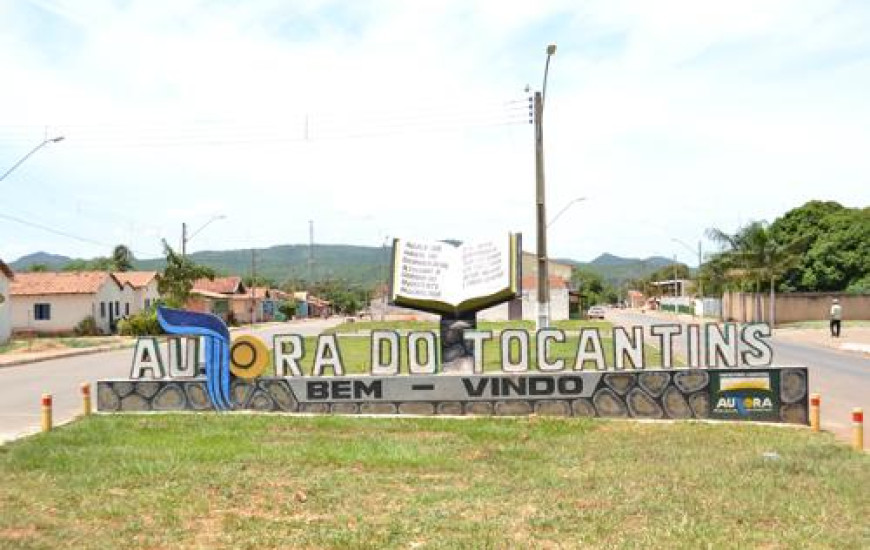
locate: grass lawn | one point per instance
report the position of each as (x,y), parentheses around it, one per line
(239,481)
(495,326)
(356,349)
(47,343)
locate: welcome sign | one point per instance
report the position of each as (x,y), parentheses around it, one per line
(200,368)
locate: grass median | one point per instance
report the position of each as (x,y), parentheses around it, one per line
(241,481)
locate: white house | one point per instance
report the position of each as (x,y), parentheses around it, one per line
(526,307)
(6,275)
(144,285)
(54,303)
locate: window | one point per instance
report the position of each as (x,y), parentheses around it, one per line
(117,308)
(42,312)
(102,310)
(147,303)
(127,309)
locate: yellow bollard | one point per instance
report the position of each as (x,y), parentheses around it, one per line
(858,429)
(86,398)
(46,412)
(815,411)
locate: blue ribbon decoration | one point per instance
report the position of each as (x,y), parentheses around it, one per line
(217,348)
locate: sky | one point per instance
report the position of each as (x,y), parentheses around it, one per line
(377,119)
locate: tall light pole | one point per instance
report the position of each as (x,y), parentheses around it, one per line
(543,320)
(45,142)
(700,256)
(185,237)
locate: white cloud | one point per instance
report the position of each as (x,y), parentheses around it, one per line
(676,115)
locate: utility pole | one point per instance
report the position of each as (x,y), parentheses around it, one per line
(183,240)
(541,218)
(700,279)
(543,320)
(253,285)
(310,253)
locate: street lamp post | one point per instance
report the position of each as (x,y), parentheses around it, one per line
(543,320)
(185,238)
(689,248)
(45,142)
(565,209)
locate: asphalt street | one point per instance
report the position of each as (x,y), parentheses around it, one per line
(841,378)
(22,386)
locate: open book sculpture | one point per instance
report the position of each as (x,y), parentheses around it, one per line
(451,279)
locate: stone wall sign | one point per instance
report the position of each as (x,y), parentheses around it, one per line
(200,368)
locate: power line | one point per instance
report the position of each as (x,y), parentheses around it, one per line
(61,232)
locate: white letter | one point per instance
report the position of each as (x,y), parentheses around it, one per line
(721,345)
(414,364)
(322,359)
(477,337)
(183,356)
(759,353)
(596,354)
(544,335)
(523,338)
(146,356)
(284,360)
(623,346)
(693,346)
(665,334)
(391,338)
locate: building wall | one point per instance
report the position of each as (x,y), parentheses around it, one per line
(793,307)
(148,292)
(67,310)
(530,267)
(5,309)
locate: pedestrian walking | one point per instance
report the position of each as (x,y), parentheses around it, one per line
(836,317)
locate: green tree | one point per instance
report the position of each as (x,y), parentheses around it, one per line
(122,258)
(753,255)
(38,268)
(593,288)
(178,277)
(836,255)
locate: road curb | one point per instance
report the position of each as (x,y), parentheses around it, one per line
(63,355)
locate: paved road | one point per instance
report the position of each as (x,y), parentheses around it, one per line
(21,386)
(842,378)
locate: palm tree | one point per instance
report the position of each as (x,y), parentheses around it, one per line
(122,258)
(754,255)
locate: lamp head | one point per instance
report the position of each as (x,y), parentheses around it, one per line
(58,138)
(551,49)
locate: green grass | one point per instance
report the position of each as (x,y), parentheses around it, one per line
(239,481)
(46,343)
(406,326)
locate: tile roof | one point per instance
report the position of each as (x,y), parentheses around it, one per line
(221,285)
(48,282)
(137,279)
(531,282)
(6,271)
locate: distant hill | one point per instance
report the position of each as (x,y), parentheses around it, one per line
(362,265)
(616,270)
(52,261)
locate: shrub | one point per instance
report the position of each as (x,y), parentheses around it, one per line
(87,327)
(143,323)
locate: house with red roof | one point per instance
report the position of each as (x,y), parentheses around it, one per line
(228,298)
(6,276)
(145,288)
(55,302)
